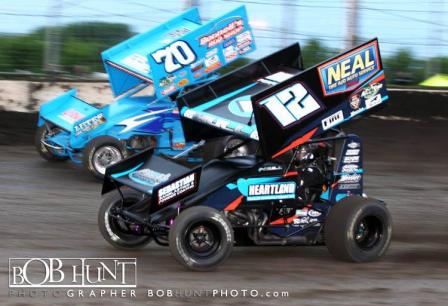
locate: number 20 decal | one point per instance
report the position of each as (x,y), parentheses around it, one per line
(291,104)
(175,56)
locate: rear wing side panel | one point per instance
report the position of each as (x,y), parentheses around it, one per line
(288,59)
(320,98)
(164,180)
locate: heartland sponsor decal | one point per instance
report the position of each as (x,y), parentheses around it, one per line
(349,71)
(275,191)
(333,120)
(177,188)
(89,124)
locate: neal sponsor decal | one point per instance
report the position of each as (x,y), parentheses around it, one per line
(349,71)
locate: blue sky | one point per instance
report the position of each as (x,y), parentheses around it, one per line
(421,26)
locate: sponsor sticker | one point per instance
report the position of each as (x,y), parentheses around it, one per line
(333,120)
(314,213)
(350,168)
(353,145)
(177,188)
(149,177)
(349,186)
(352,152)
(272,191)
(229,30)
(90,124)
(304,220)
(374,101)
(137,62)
(371,90)
(347,72)
(71,115)
(351,178)
(351,159)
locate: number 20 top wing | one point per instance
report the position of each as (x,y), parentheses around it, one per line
(179,52)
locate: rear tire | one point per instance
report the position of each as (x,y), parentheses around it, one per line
(358,229)
(201,238)
(45,152)
(114,231)
(102,152)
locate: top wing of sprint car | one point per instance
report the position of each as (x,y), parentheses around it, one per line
(273,101)
(178,52)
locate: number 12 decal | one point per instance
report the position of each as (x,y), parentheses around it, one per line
(291,105)
(175,56)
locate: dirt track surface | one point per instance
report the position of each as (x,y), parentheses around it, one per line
(50,210)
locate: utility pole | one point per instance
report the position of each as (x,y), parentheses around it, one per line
(288,19)
(435,37)
(52,37)
(351,33)
(191,3)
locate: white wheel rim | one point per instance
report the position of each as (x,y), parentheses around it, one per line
(106,156)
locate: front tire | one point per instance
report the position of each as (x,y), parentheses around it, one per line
(358,229)
(118,233)
(201,238)
(102,152)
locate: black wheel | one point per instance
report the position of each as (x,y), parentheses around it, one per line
(358,229)
(115,230)
(216,147)
(43,147)
(201,238)
(100,153)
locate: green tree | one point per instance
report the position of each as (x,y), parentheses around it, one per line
(403,68)
(314,52)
